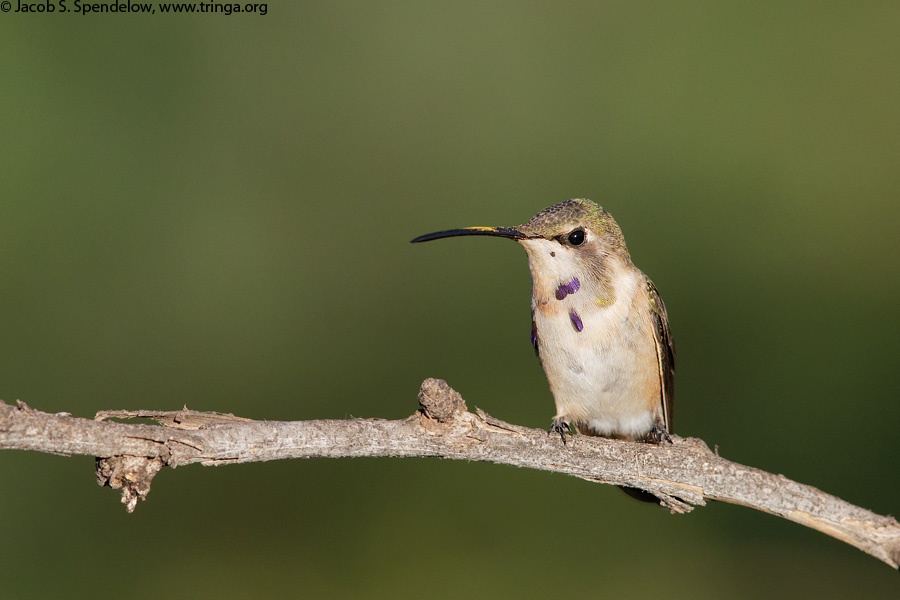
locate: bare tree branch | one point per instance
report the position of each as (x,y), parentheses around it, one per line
(682,474)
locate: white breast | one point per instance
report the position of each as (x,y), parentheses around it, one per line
(605,377)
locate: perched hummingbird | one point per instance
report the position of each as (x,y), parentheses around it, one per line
(597,323)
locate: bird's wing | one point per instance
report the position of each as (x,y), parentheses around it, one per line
(665,352)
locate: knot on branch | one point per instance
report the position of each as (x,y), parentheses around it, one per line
(131,474)
(439,401)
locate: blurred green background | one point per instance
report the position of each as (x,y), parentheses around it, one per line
(215,211)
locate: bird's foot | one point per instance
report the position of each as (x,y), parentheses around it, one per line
(561,426)
(658,433)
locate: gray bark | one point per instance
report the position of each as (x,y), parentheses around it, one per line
(682,474)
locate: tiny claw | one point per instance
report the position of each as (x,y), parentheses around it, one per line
(658,433)
(560,426)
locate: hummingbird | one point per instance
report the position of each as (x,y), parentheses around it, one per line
(598,324)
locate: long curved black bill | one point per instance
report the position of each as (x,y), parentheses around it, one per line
(507,232)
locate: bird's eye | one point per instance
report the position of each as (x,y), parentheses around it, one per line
(576,237)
